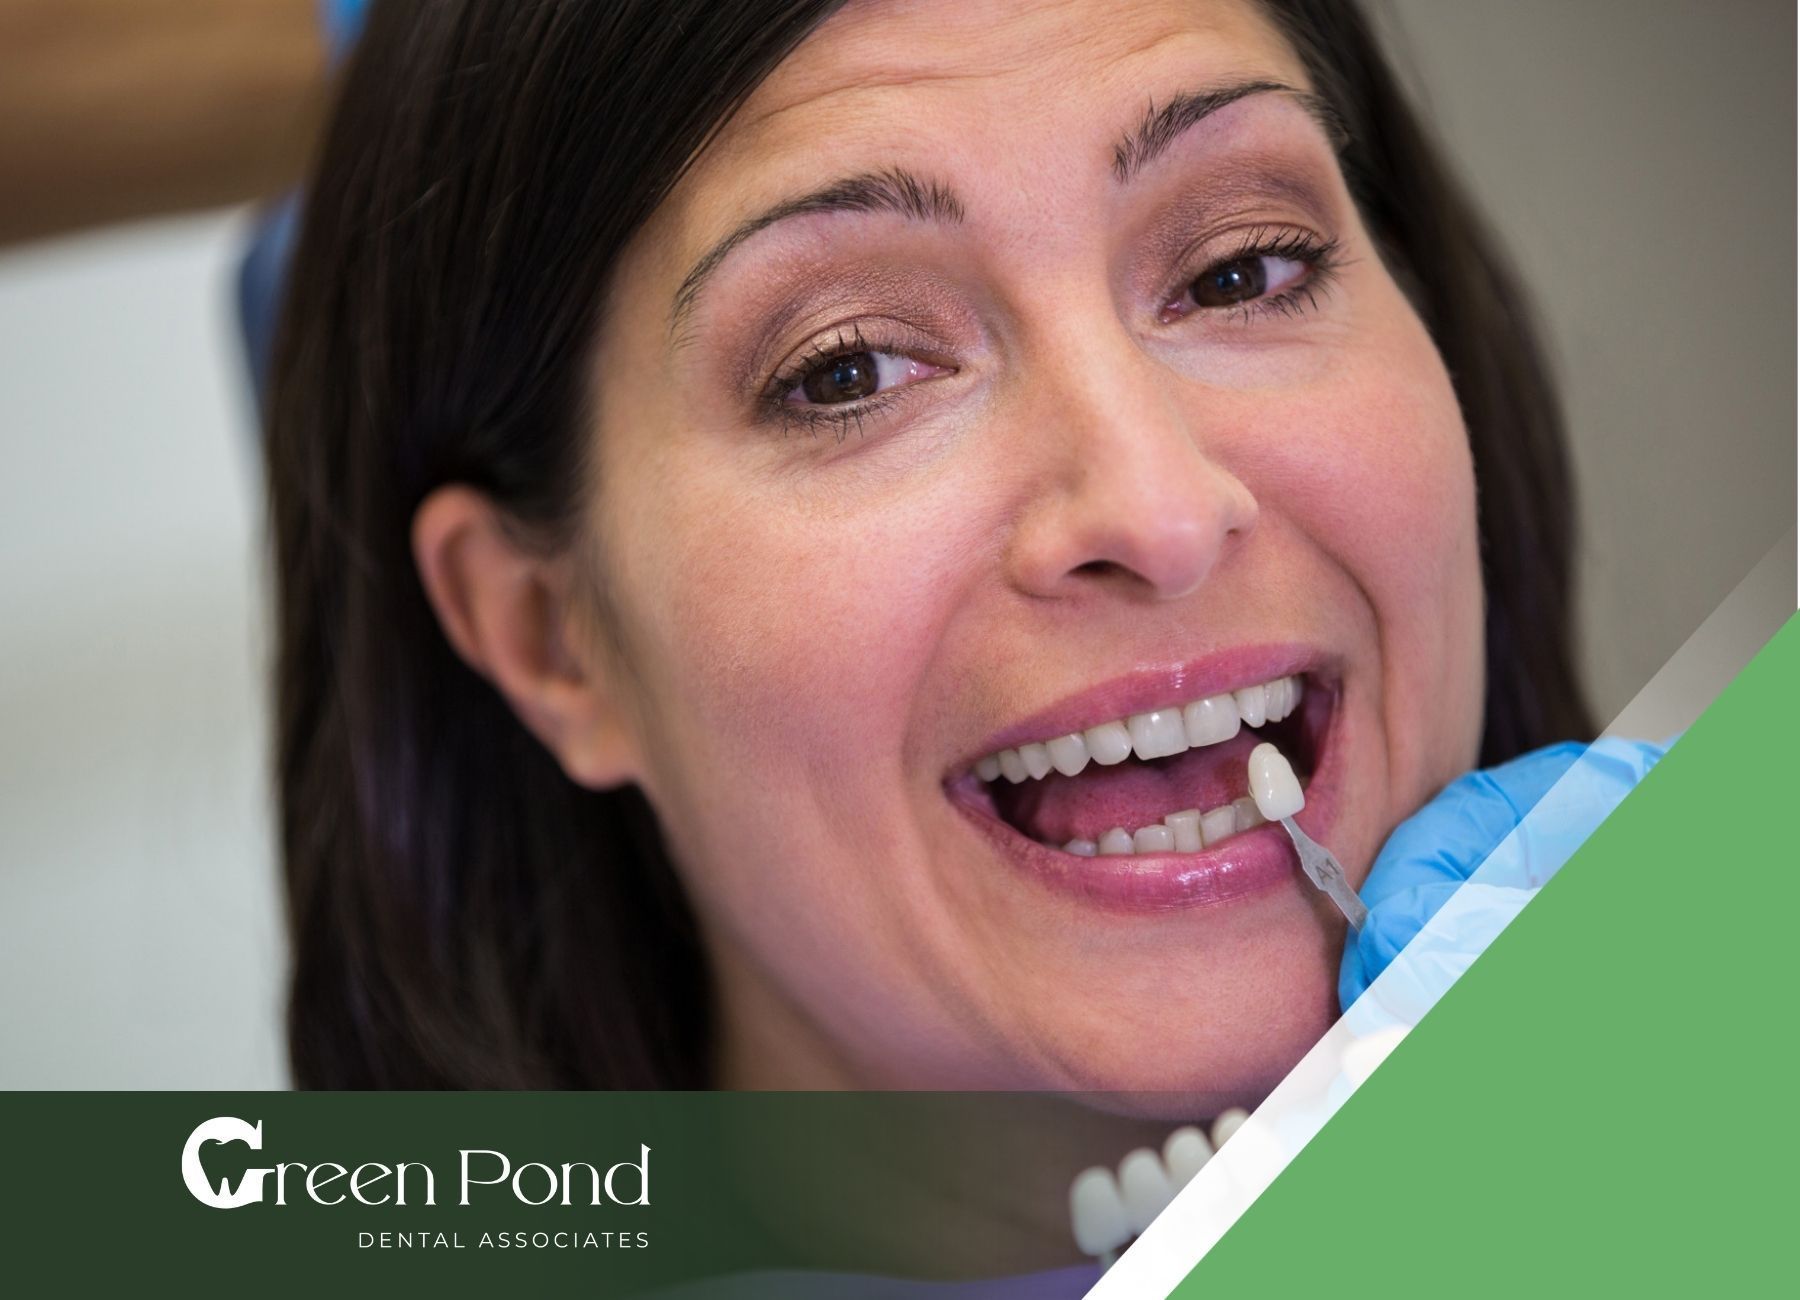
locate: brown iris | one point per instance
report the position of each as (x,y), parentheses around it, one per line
(843,378)
(1230,283)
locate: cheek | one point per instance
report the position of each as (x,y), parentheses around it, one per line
(1374,468)
(781,621)
(1393,494)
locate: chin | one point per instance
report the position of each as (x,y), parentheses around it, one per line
(1193,1038)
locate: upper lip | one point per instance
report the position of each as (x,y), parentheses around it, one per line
(1154,687)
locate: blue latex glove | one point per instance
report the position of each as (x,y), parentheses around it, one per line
(1434,851)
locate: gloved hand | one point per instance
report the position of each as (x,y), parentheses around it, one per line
(1434,851)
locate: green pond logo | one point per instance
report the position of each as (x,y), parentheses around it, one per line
(217,1168)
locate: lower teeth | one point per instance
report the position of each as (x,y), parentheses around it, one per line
(1187,831)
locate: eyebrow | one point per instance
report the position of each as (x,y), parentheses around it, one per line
(1161,127)
(891,190)
(899,191)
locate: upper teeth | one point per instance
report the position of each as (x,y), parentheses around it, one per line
(1155,734)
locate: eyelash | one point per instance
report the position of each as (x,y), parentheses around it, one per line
(1321,257)
(842,416)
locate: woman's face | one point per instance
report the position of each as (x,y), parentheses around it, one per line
(999,373)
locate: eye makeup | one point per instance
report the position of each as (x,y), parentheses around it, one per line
(1234,281)
(1230,242)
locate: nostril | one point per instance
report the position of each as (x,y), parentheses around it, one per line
(1099,569)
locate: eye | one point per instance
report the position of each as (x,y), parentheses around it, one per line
(1269,273)
(847,379)
(1244,279)
(851,373)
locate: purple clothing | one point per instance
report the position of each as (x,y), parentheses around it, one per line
(1058,1284)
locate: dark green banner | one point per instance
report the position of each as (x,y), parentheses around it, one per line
(607,1194)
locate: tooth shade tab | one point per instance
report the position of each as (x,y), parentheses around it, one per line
(1227,1124)
(1097,1213)
(1146,1188)
(1185,1154)
(1156,733)
(1273,784)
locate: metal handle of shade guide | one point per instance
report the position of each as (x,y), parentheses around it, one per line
(1327,873)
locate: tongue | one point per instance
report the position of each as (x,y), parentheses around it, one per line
(1131,794)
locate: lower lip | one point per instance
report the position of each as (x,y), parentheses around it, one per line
(1245,866)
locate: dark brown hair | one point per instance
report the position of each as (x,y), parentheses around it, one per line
(461,913)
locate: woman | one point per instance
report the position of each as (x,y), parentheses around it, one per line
(707,441)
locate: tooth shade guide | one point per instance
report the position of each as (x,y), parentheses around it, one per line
(1146,1187)
(1227,1124)
(1108,1211)
(1185,1154)
(1273,784)
(1097,1213)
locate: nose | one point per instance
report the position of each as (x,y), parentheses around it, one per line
(1125,496)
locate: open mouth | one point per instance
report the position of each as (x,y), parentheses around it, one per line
(1167,789)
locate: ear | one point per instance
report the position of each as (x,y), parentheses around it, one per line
(508,612)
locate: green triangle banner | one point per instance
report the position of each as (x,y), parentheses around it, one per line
(1599,1105)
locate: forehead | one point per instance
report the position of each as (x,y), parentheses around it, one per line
(873,49)
(911,44)
(964,81)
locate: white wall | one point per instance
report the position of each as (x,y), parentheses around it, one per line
(140,938)
(1638,155)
